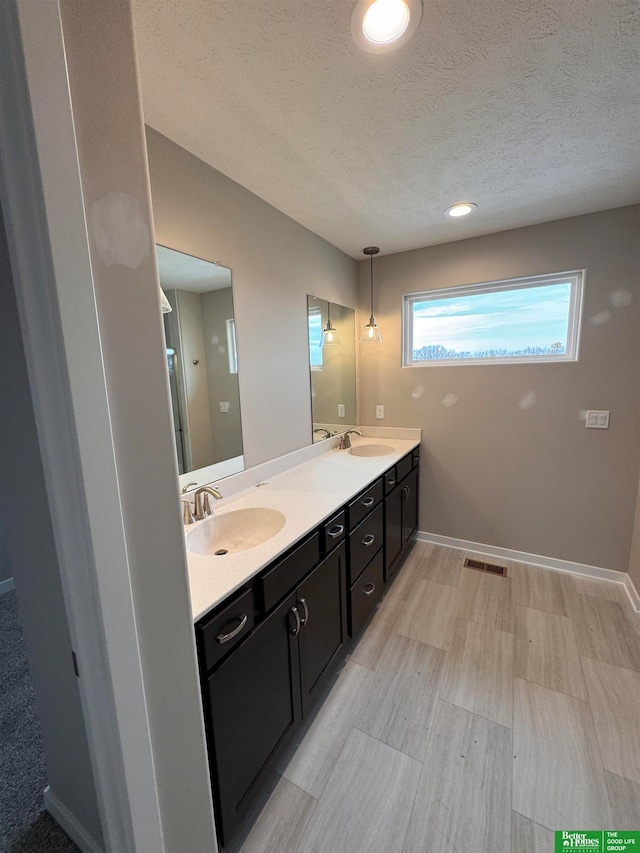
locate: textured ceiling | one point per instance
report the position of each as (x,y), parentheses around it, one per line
(530,108)
(175,269)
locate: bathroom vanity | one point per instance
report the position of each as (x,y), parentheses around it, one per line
(266,648)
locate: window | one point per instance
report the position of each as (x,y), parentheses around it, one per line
(315,338)
(231,346)
(499,322)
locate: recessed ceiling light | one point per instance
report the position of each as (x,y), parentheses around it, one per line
(463,208)
(379,26)
(385,21)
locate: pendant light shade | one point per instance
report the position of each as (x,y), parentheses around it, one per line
(330,337)
(165,304)
(371,332)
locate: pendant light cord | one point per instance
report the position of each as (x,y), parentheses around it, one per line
(371,259)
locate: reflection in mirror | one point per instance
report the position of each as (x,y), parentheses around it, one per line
(332,366)
(203,366)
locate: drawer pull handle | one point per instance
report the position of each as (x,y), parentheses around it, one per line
(391,481)
(336,531)
(369,589)
(369,539)
(296,628)
(368,502)
(224,638)
(303,602)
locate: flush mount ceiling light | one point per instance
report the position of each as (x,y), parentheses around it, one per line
(371,332)
(463,208)
(379,26)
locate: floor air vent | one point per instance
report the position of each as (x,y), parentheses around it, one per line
(490,568)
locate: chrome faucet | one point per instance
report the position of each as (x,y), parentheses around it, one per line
(326,432)
(203,507)
(345,441)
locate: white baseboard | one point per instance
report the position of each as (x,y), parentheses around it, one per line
(76,832)
(5,586)
(551,563)
(632,592)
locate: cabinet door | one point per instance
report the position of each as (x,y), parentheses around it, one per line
(320,602)
(392,530)
(409,506)
(253,700)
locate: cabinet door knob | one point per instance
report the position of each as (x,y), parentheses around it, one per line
(336,531)
(304,620)
(295,630)
(368,502)
(369,589)
(224,638)
(369,539)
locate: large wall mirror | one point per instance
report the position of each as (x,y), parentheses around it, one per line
(332,364)
(203,366)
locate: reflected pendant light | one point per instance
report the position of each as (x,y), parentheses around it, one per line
(371,332)
(165,305)
(330,338)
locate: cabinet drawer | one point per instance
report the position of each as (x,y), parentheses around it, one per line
(364,541)
(223,631)
(415,456)
(282,578)
(334,531)
(364,503)
(404,466)
(390,479)
(365,593)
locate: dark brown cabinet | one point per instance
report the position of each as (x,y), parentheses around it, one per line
(401,518)
(267,685)
(321,602)
(253,701)
(265,653)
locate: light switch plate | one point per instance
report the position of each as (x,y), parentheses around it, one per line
(224,407)
(341,413)
(597,419)
(380,412)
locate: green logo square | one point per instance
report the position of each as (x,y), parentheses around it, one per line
(603,841)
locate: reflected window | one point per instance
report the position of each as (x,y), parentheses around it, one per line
(315,338)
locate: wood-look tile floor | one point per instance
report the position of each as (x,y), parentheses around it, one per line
(476,714)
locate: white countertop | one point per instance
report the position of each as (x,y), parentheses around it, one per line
(306,494)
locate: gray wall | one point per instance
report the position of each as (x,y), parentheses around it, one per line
(226,427)
(196,381)
(634,557)
(531,479)
(23,504)
(275,263)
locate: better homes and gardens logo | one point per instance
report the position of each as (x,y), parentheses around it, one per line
(606,841)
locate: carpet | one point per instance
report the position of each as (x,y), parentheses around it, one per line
(25,827)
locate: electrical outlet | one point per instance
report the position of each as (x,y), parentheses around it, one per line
(597,419)
(224,407)
(380,412)
(341,412)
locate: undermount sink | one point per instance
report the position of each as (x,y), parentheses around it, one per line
(234,531)
(372,450)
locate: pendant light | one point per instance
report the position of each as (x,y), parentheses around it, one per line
(165,305)
(330,338)
(371,333)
